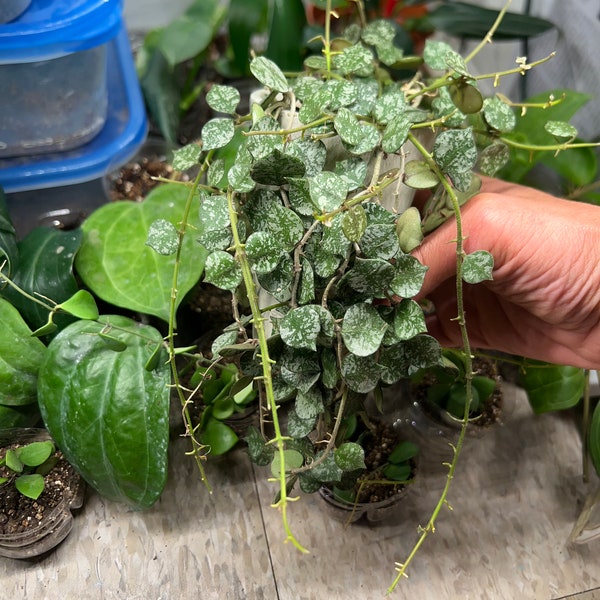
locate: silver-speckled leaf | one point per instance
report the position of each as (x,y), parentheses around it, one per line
(162,237)
(222,270)
(269,74)
(498,115)
(363,329)
(223,98)
(409,320)
(217,133)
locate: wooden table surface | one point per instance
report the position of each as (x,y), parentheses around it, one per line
(506,537)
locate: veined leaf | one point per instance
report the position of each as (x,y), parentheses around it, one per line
(106,412)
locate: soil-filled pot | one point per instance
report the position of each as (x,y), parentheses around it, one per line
(30,527)
(378,492)
(436,430)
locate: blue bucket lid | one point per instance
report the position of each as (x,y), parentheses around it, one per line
(53,28)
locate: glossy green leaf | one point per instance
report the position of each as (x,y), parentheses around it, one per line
(117,265)
(218,436)
(292,460)
(363,329)
(466,97)
(45,268)
(286,31)
(30,485)
(162,92)
(107,414)
(403,452)
(579,166)
(418,175)
(552,387)
(35,453)
(20,358)
(350,457)
(530,128)
(81,305)
(244,20)
(269,74)
(184,38)
(463,19)
(478,266)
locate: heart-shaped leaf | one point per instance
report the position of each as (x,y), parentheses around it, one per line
(20,358)
(45,268)
(106,412)
(117,265)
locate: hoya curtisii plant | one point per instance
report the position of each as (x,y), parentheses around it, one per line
(297,215)
(296,227)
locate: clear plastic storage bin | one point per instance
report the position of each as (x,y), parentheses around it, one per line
(11,9)
(53,75)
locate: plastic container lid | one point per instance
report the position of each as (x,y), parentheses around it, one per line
(53,28)
(120,138)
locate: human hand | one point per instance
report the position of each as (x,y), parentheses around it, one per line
(544,300)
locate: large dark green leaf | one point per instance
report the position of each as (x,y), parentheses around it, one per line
(244,20)
(8,238)
(467,20)
(552,387)
(117,265)
(45,269)
(106,412)
(286,33)
(162,93)
(20,358)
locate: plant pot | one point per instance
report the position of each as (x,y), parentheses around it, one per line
(374,501)
(51,518)
(371,512)
(436,431)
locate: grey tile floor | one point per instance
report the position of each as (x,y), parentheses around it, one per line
(504,539)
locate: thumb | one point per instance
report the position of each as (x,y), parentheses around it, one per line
(438,253)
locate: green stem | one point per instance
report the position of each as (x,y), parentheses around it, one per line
(430,527)
(197,447)
(266,363)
